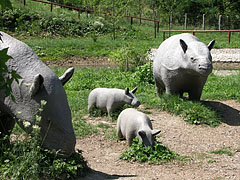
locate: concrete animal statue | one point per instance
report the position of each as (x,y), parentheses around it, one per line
(182,64)
(132,123)
(111,99)
(38,82)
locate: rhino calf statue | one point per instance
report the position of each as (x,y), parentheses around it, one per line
(38,82)
(132,123)
(182,64)
(111,99)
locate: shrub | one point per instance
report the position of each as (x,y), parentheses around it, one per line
(22,20)
(128,57)
(144,73)
(138,152)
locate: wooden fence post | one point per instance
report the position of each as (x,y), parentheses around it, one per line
(229,36)
(219,22)
(51,9)
(203,17)
(79,11)
(185,22)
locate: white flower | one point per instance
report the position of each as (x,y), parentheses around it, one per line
(38,118)
(26,124)
(36,127)
(43,102)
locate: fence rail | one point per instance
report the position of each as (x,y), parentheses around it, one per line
(91,11)
(202,31)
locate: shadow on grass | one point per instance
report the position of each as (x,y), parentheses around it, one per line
(228,114)
(97,175)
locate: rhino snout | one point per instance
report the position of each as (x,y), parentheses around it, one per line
(135,103)
(205,68)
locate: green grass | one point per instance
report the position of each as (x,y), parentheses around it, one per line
(222,88)
(63,48)
(223,150)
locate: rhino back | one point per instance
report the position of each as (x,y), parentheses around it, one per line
(130,121)
(102,96)
(24,60)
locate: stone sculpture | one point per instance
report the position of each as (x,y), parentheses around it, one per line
(132,123)
(111,99)
(37,83)
(182,64)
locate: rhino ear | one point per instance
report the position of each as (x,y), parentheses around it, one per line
(126,91)
(67,75)
(134,90)
(142,133)
(155,132)
(211,44)
(183,45)
(36,85)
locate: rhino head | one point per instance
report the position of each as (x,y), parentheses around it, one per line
(147,136)
(56,122)
(131,98)
(197,57)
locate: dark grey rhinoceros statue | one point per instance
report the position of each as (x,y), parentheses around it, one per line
(182,64)
(37,83)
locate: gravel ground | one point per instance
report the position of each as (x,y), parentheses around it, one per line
(218,55)
(226,55)
(195,142)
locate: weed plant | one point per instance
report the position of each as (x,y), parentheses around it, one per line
(158,154)
(223,150)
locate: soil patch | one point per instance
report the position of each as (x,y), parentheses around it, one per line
(81,62)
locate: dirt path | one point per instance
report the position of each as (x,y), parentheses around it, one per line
(196,142)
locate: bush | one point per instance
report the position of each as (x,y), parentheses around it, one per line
(157,154)
(128,57)
(18,20)
(144,73)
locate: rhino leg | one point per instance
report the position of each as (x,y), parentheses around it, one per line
(130,139)
(90,108)
(119,134)
(195,94)
(6,125)
(160,88)
(109,111)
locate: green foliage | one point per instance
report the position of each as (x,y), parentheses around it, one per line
(138,152)
(193,112)
(144,73)
(26,159)
(23,20)
(5,4)
(128,57)
(7,77)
